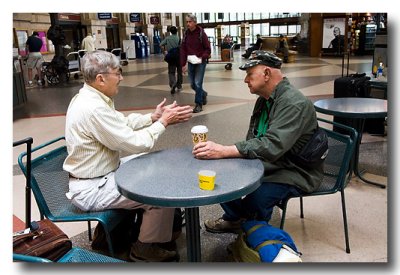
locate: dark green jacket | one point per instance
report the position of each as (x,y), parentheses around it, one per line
(292,122)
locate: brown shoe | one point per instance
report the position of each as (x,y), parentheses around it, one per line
(150,252)
(222,226)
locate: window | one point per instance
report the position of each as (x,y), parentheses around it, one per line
(283,29)
(274,30)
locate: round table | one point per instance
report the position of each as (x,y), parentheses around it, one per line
(168,178)
(357,108)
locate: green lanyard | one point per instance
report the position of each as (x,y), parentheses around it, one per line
(263,123)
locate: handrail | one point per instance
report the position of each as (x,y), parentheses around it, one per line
(28,142)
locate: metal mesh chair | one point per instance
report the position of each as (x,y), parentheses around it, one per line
(75,255)
(49,183)
(337,171)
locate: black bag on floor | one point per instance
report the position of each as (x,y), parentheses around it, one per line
(127,231)
(354,85)
(122,236)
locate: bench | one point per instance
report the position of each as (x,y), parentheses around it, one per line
(269,44)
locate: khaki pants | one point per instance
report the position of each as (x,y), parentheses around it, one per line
(102,193)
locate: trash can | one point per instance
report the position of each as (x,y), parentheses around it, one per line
(19,91)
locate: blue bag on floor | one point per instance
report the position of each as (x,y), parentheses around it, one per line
(268,243)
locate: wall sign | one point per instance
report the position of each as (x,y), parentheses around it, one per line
(134,17)
(155,20)
(104,15)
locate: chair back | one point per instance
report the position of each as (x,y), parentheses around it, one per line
(338,161)
(50,183)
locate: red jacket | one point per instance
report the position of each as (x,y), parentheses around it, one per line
(195,42)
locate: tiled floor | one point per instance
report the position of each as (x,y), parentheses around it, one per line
(319,236)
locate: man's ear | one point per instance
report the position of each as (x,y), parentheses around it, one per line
(99,79)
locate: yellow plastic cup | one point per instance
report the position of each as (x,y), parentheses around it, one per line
(206,179)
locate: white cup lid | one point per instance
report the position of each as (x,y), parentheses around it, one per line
(199,129)
(208,173)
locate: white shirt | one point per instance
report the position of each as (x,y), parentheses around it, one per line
(88,43)
(96,133)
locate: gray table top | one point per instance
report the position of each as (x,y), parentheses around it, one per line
(352,107)
(169,178)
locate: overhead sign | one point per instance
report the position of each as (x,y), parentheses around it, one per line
(104,15)
(134,17)
(155,20)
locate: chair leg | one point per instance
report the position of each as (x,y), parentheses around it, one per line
(346,232)
(301,208)
(283,207)
(108,238)
(89,231)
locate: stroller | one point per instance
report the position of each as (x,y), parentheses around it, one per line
(56,71)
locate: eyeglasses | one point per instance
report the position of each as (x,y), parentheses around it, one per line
(119,74)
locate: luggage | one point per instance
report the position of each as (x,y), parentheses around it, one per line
(260,242)
(45,240)
(354,85)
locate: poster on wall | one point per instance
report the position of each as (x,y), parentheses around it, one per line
(333,35)
(42,35)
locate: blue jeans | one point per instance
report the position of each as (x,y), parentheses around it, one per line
(259,204)
(196,77)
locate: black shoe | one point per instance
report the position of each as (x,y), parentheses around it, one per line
(173,90)
(198,108)
(179,87)
(205,94)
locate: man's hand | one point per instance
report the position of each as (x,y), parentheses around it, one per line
(176,114)
(212,150)
(159,110)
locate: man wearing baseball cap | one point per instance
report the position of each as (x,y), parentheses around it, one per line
(283,120)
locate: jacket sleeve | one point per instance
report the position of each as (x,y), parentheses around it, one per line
(183,53)
(291,122)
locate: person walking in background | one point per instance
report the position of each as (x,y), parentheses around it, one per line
(282,47)
(88,43)
(35,58)
(171,44)
(96,134)
(255,47)
(275,132)
(195,50)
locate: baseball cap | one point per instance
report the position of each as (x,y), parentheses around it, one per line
(262,57)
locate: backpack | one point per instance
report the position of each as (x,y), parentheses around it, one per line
(260,242)
(172,56)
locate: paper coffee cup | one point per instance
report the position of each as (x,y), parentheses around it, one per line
(199,133)
(206,179)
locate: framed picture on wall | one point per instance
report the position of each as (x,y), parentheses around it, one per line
(334,30)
